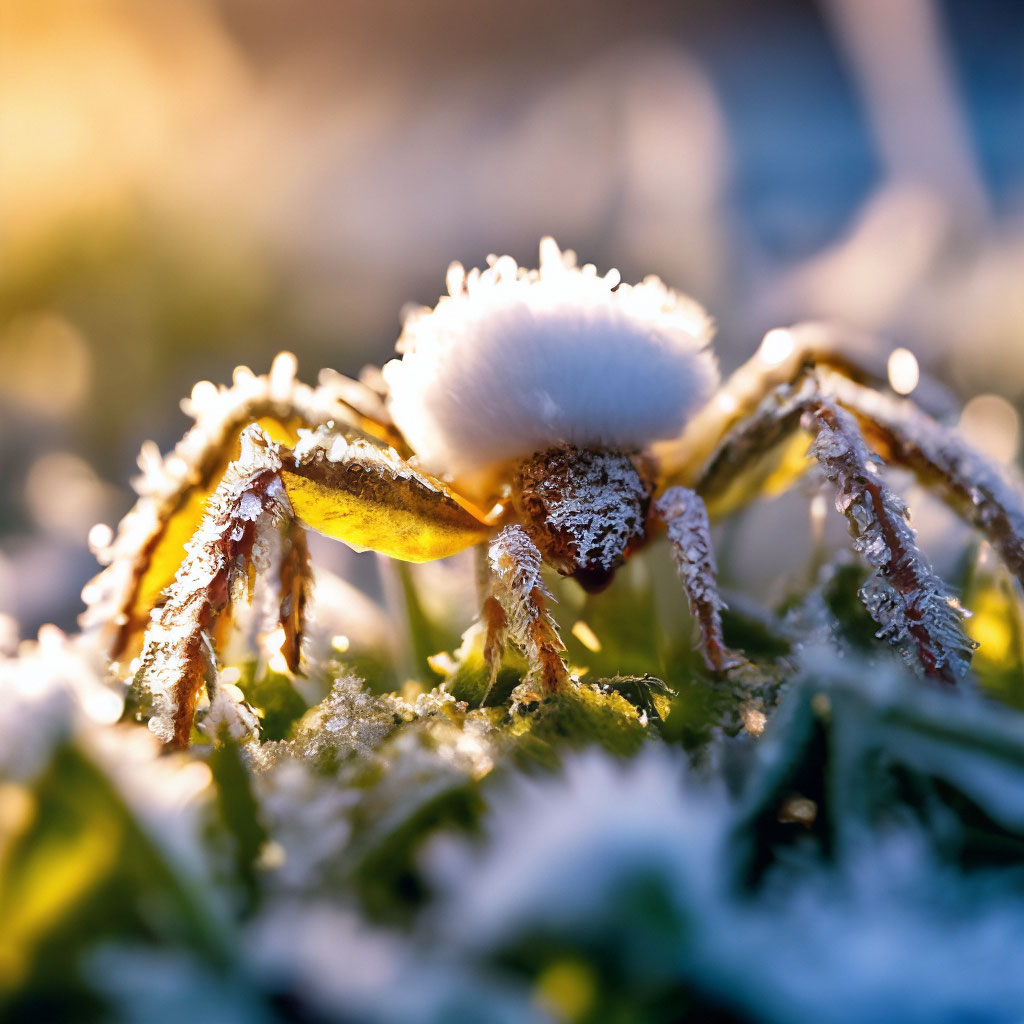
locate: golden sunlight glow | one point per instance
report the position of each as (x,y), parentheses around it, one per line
(100,536)
(776,346)
(754,720)
(45,364)
(567,989)
(102,705)
(586,636)
(991,423)
(990,626)
(904,372)
(204,393)
(272,644)
(726,402)
(83,497)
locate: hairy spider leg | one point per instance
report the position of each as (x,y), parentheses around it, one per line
(983,492)
(912,607)
(517,608)
(761,432)
(349,489)
(784,357)
(295,583)
(178,654)
(986,495)
(149,544)
(686,521)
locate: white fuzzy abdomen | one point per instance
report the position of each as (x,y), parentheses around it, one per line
(514,361)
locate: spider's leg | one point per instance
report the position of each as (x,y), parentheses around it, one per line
(785,356)
(521,598)
(686,520)
(985,494)
(980,490)
(739,469)
(178,654)
(149,543)
(912,607)
(295,583)
(352,490)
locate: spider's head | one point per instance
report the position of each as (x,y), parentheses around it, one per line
(584,508)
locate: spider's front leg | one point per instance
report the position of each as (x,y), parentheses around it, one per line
(785,357)
(689,533)
(517,608)
(142,557)
(352,490)
(178,654)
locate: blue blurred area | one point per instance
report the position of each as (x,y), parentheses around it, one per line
(987,44)
(802,156)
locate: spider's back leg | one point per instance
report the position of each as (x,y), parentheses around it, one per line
(348,489)
(803,386)
(149,543)
(912,607)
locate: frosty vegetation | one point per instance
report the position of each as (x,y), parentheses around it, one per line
(393,860)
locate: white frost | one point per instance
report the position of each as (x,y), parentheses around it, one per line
(514,361)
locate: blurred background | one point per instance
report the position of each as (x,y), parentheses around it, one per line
(185,186)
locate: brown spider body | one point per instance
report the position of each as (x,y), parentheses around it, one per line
(586,509)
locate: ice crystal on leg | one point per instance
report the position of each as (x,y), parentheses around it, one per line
(520,591)
(178,655)
(986,494)
(686,519)
(167,483)
(736,458)
(913,608)
(495,626)
(230,715)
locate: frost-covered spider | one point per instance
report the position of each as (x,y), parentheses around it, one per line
(584,415)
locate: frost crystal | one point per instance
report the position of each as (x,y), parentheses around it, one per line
(230,715)
(911,605)
(307,816)
(51,688)
(559,846)
(325,444)
(513,361)
(348,721)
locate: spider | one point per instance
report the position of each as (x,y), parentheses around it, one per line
(543,416)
